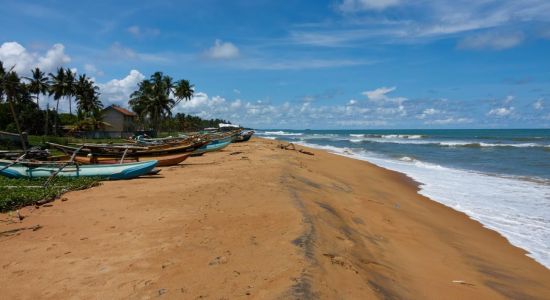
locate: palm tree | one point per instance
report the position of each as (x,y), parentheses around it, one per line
(184,90)
(2,75)
(70,86)
(87,96)
(39,84)
(153,99)
(10,85)
(58,89)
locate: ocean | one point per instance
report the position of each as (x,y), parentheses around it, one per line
(500,178)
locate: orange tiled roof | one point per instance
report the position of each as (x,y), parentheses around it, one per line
(123,111)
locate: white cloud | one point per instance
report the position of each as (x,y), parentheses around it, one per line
(501,111)
(421,21)
(428,112)
(361,123)
(492,41)
(222,50)
(14,54)
(139,32)
(92,70)
(450,120)
(539,104)
(352,102)
(236,104)
(117,91)
(379,94)
(298,63)
(121,52)
(364,5)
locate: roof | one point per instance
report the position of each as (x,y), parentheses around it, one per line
(222,125)
(123,111)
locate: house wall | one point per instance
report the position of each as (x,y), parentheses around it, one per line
(115,119)
(129,123)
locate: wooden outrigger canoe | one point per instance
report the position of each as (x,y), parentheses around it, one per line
(107,151)
(163,161)
(215,146)
(32,169)
(244,136)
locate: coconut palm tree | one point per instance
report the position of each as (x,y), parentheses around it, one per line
(2,75)
(58,89)
(39,84)
(70,84)
(87,96)
(157,96)
(184,90)
(10,85)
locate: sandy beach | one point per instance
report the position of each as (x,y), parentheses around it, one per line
(256,221)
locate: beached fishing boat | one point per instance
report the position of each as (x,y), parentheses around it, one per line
(211,147)
(120,151)
(163,161)
(244,136)
(32,169)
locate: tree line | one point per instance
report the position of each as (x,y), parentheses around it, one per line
(153,102)
(155,99)
(21,97)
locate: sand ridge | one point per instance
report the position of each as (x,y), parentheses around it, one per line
(256,221)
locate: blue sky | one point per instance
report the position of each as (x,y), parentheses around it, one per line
(305,64)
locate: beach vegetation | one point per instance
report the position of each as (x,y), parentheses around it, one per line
(16,193)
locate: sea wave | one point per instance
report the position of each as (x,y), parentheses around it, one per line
(282,133)
(388,136)
(484,145)
(467,144)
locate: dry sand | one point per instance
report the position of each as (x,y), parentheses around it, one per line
(256,221)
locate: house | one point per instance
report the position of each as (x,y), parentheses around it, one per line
(122,121)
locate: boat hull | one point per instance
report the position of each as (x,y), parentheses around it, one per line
(163,161)
(211,147)
(112,172)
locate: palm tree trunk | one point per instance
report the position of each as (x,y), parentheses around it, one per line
(47,116)
(56,116)
(70,110)
(38,104)
(17,124)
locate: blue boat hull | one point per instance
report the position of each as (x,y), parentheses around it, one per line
(112,172)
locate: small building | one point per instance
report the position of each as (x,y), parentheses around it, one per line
(122,121)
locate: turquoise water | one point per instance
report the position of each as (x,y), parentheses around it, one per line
(498,177)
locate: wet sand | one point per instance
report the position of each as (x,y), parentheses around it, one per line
(255,221)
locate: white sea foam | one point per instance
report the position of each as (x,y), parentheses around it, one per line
(282,133)
(419,141)
(406,158)
(401,136)
(518,209)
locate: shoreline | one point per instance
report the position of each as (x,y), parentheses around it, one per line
(424,191)
(258,221)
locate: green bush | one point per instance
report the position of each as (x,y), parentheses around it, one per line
(16,193)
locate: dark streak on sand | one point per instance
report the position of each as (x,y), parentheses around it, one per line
(360,259)
(503,283)
(303,288)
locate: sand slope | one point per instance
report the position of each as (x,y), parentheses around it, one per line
(263,223)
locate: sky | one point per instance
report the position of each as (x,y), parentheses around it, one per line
(324,64)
